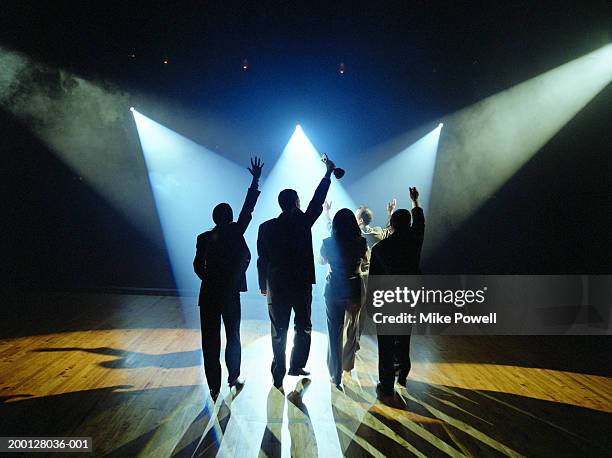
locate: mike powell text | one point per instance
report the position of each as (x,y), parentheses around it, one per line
(434,318)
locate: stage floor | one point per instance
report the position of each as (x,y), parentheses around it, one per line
(126,370)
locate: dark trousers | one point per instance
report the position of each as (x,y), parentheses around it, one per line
(280,304)
(342,329)
(391,348)
(215,307)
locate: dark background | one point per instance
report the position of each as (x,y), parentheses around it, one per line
(407,64)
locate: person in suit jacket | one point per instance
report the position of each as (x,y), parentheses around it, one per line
(286,272)
(222,257)
(398,254)
(346,251)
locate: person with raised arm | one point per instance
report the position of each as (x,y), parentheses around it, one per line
(398,254)
(222,257)
(286,272)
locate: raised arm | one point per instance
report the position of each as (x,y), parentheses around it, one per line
(246,213)
(327,205)
(387,231)
(315,207)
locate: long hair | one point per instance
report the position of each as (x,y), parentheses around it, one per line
(344,225)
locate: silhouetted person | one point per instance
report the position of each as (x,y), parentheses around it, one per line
(286,274)
(346,251)
(222,257)
(399,254)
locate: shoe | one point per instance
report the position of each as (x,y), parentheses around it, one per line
(336,383)
(214,394)
(237,383)
(401,380)
(383,393)
(297,372)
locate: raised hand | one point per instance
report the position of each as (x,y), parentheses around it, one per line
(331,167)
(256,166)
(328,163)
(414,194)
(392,205)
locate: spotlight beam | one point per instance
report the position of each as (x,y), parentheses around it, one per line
(187,181)
(86,125)
(299,167)
(412,166)
(486,143)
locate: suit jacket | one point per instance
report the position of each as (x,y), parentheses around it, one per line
(400,253)
(222,255)
(374,234)
(284,246)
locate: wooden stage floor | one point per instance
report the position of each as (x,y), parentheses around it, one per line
(126,370)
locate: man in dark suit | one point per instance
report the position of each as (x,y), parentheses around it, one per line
(222,257)
(286,274)
(399,254)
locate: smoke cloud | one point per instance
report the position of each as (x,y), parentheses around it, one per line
(87,124)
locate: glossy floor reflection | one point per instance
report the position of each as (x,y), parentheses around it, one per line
(126,370)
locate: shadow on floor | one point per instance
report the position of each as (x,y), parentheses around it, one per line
(436,420)
(426,419)
(134,359)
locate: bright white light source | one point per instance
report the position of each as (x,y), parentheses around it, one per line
(132,109)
